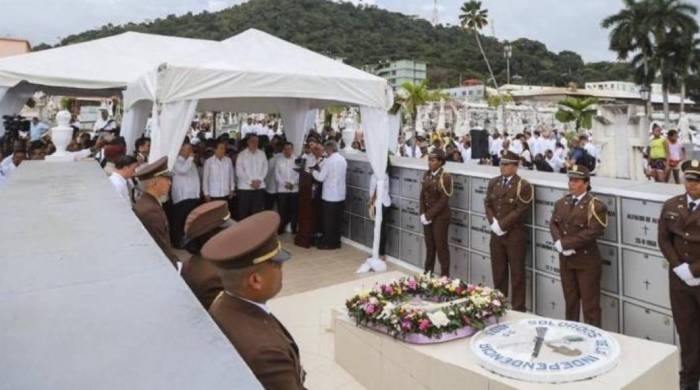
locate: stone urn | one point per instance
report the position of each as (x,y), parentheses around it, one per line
(61,136)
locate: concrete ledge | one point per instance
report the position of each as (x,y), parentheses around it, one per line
(88,300)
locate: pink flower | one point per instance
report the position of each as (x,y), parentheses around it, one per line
(424,324)
(496,303)
(369,308)
(388,290)
(406,324)
(412,285)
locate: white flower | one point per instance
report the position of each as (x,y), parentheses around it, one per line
(373,300)
(386,311)
(438,318)
(364,293)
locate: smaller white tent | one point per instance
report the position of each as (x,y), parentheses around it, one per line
(103,64)
(102,67)
(255,71)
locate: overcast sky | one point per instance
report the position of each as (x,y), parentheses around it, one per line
(560,24)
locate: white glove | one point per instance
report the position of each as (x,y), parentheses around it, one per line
(496,228)
(694,282)
(558,247)
(424,220)
(683,272)
(568,252)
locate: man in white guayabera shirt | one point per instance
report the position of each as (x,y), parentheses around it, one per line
(251,169)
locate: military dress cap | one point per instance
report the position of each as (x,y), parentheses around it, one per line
(205,218)
(250,242)
(510,158)
(155,169)
(691,170)
(579,172)
(438,154)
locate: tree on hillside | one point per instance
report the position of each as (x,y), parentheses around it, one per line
(368,35)
(473,18)
(577,110)
(656,32)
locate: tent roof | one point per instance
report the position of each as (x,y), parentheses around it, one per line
(257,66)
(106,63)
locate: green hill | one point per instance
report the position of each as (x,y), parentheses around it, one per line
(366,35)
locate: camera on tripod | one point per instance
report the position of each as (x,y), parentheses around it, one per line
(14,124)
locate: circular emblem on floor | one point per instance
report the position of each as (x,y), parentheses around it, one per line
(546,350)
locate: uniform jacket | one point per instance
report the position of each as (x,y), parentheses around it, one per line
(203,280)
(679,234)
(435,195)
(262,341)
(153,218)
(506,204)
(578,228)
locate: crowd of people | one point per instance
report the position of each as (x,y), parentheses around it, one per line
(226,200)
(542,150)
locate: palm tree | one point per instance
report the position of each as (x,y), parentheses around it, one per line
(413,96)
(647,27)
(630,34)
(672,23)
(578,110)
(474,18)
(683,56)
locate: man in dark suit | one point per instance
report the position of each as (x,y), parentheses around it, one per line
(679,240)
(154,179)
(507,203)
(249,258)
(578,220)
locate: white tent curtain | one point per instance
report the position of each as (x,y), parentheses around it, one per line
(310,121)
(168,129)
(294,115)
(376,125)
(12,100)
(394,127)
(134,123)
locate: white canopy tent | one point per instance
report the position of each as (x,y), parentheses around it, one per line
(102,67)
(257,72)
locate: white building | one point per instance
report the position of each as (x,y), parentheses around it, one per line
(472,93)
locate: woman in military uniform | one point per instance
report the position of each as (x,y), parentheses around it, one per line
(578,220)
(435,212)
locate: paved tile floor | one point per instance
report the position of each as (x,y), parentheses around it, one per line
(311,268)
(305,308)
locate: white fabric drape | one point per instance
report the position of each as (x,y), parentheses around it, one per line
(310,121)
(376,125)
(134,123)
(394,127)
(168,129)
(12,100)
(294,115)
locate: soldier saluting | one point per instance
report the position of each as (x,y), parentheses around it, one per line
(577,222)
(508,200)
(679,240)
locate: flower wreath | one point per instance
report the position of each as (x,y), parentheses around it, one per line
(456,305)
